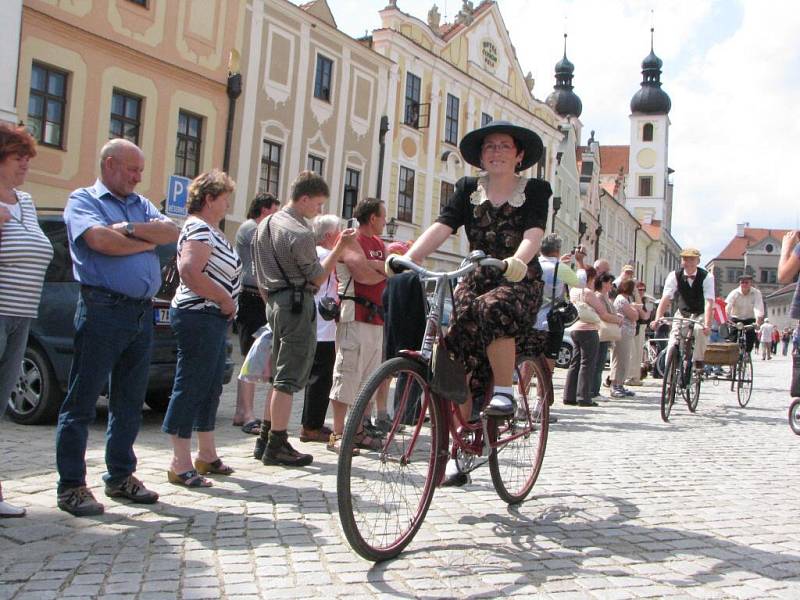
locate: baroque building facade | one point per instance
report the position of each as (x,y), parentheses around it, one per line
(154,72)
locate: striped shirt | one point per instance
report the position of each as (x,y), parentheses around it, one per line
(223,267)
(25,253)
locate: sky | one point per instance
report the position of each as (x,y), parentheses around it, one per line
(731,68)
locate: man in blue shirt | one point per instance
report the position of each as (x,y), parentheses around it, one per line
(112,233)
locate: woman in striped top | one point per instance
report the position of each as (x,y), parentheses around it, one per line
(25,253)
(201,311)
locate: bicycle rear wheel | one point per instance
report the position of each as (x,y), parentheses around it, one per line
(521,440)
(384,494)
(794,416)
(669,385)
(744,379)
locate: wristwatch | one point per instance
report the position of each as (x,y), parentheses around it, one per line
(129,229)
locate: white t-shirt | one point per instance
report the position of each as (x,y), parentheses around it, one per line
(326,330)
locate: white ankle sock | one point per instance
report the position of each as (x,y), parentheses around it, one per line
(499,389)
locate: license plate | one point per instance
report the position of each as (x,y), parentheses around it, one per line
(161,316)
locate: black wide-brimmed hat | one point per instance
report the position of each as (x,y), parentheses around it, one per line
(527,141)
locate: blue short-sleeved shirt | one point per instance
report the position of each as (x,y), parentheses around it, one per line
(135,275)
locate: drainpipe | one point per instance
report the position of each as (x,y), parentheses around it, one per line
(384,128)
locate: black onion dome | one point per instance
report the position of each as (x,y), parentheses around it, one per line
(651,99)
(563,100)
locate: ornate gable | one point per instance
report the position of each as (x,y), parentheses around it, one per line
(321,10)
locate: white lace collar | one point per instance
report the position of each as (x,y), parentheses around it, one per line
(516,199)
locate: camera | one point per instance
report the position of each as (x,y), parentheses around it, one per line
(297,300)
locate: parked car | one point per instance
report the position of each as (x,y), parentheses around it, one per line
(48,356)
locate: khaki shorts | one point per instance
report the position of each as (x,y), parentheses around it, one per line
(294,341)
(359,348)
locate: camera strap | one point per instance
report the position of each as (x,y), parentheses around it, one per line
(289,283)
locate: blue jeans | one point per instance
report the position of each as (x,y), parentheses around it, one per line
(13,339)
(113,343)
(199,373)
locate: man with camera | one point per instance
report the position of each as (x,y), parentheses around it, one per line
(289,273)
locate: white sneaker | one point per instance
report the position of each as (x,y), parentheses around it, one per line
(9,511)
(500,405)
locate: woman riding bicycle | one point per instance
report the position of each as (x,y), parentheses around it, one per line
(504,214)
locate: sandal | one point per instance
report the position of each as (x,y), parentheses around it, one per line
(252,427)
(216,467)
(335,444)
(190,479)
(367,442)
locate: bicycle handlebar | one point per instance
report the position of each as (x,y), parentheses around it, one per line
(469,264)
(681,319)
(740,326)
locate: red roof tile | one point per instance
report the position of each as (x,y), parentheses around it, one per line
(614,157)
(653,230)
(752,235)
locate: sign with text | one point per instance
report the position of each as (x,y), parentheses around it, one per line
(177,195)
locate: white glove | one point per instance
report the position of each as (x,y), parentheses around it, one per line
(515,269)
(387,269)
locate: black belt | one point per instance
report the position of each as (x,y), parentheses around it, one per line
(116,295)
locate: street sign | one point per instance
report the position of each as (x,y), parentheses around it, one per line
(177,195)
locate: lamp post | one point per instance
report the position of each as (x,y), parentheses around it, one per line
(556,208)
(391,229)
(234,90)
(597,233)
(382,131)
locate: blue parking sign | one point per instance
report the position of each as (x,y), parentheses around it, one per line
(177,195)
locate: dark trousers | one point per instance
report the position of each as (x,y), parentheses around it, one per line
(580,375)
(113,339)
(599,365)
(749,334)
(251,316)
(317,396)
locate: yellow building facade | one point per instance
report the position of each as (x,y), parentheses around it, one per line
(154,71)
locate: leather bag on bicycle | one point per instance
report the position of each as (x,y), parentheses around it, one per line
(448,374)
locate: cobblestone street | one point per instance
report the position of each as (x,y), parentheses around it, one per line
(626,506)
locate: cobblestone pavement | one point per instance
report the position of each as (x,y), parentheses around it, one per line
(626,507)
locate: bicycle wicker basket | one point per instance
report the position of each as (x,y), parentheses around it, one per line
(722,353)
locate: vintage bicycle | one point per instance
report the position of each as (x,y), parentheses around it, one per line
(678,370)
(734,363)
(384,495)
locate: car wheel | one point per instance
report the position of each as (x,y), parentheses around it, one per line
(37,396)
(158,400)
(564,356)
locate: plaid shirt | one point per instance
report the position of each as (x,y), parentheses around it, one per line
(294,247)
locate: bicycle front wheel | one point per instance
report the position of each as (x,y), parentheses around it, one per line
(384,494)
(670,382)
(520,441)
(794,416)
(744,379)
(693,391)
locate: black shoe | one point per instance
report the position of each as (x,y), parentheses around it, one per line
(568,403)
(80,502)
(132,489)
(590,403)
(258,450)
(280,452)
(455,480)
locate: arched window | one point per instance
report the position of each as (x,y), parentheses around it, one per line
(647,132)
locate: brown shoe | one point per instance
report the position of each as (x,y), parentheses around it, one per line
(315,435)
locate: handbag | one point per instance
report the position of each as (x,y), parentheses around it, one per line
(328,306)
(609,332)
(586,313)
(448,374)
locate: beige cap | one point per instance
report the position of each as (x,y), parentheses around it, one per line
(690,252)
(628,268)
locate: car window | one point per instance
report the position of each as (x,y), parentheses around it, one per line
(60,268)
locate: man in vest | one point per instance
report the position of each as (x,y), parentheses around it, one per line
(692,291)
(745,305)
(359,335)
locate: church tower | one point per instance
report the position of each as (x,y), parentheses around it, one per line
(648,189)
